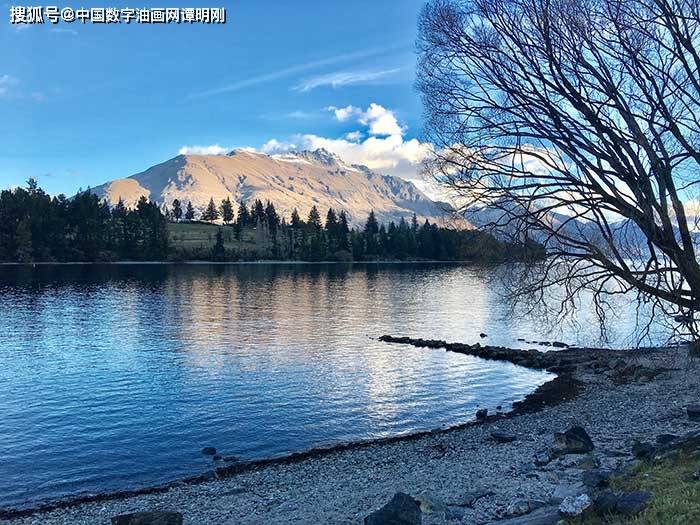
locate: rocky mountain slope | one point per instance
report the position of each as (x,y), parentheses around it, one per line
(295,180)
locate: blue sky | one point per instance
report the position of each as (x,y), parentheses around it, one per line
(83,104)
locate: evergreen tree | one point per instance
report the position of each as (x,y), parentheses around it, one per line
(211,213)
(343,231)
(189,213)
(227,210)
(218,252)
(273,219)
(296,221)
(257,213)
(371,235)
(314,220)
(243,218)
(177,210)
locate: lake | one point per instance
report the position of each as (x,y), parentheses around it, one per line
(115,377)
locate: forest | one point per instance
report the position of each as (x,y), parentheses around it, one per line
(36,227)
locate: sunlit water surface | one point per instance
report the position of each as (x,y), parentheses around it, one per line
(115,377)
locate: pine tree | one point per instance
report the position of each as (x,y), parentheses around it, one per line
(218,252)
(273,219)
(211,213)
(257,213)
(371,234)
(296,221)
(177,210)
(314,220)
(343,232)
(243,218)
(227,210)
(189,214)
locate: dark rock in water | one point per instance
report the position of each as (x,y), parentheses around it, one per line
(209,451)
(401,510)
(148,518)
(643,450)
(502,437)
(596,479)
(216,457)
(665,439)
(558,344)
(574,441)
(693,412)
(232,459)
(482,414)
(632,502)
(482,335)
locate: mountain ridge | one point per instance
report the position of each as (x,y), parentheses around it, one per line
(298,179)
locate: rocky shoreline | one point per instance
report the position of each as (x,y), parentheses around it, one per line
(490,470)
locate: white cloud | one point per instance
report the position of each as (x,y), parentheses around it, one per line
(213,149)
(344,78)
(7,84)
(377,118)
(392,155)
(297,68)
(385,150)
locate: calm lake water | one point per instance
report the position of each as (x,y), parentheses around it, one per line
(115,377)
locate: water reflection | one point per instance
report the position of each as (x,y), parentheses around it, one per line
(115,376)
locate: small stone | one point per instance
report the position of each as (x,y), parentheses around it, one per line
(575,506)
(565,490)
(542,458)
(482,335)
(401,510)
(148,518)
(573,441)
(482,414)
(209,451)
(503,437)
(518,508)
(632,502)
(431,504)
(470,498)
(588,462)
(693,412)
(216,457)
(558,344)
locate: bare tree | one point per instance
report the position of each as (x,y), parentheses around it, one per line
(576,123)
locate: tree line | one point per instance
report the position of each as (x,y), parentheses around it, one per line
(36,227)
(330,238)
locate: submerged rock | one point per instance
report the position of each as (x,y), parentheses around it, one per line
(209,451)
(148,518)
(401,510)
(481,415)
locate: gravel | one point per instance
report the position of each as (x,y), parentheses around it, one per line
(345,486)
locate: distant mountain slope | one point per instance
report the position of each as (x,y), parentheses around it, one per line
(295,180)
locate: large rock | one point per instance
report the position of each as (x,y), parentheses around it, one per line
(148,518)
(401,510)
(693,412)
(631,503)
(575,506)
(574,441)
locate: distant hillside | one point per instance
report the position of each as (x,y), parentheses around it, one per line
(295,180)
